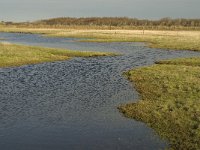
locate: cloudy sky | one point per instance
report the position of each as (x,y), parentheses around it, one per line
(28,10)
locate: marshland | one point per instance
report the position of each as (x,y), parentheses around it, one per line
(100,86)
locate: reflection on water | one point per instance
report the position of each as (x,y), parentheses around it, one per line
(72,104)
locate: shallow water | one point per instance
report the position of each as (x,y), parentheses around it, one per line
(73,104)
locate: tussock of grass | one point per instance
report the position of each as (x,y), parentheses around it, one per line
(16,55)
(170,101)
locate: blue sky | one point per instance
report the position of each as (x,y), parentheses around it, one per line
(28,10)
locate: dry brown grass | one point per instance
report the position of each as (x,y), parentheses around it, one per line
(179,40)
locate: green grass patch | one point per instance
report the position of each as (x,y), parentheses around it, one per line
(170,100)
(17,55)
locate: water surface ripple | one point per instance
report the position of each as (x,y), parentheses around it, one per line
(73,104)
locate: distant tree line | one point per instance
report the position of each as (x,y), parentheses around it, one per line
(120,21)
(113,22)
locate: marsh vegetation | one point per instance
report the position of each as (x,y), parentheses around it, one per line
(16,55)
(170,90)
(170,94)
(179,40)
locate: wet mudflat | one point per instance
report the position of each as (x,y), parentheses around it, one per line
(73,104)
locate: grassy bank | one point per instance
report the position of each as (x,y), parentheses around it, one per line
(16,55)
(170,100)
(180,40)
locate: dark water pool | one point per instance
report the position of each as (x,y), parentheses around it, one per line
(73,104)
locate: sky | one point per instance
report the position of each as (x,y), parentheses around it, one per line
(30,10)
